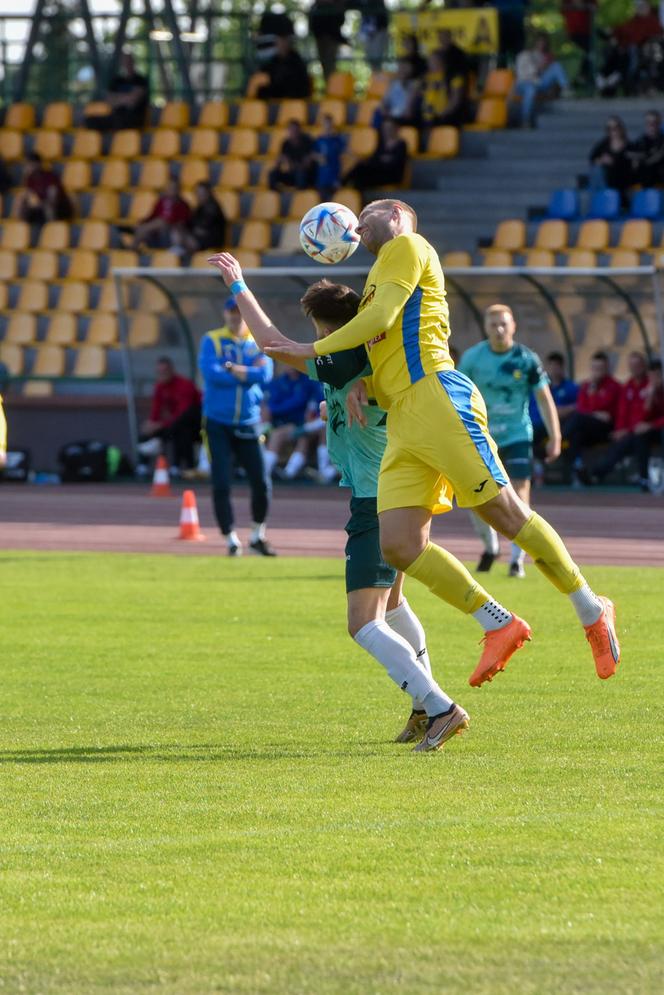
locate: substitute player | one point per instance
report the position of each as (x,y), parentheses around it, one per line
(437,434)
(379,618)
(508,375)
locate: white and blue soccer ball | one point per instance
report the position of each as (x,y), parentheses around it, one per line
(328,233)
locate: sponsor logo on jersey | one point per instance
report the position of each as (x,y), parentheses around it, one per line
(377,338)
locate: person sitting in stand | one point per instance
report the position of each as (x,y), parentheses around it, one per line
(295,166)
(402,98)
(594,418)
(412,55)
(457,62)
(386,166)
(445,96)
(288,401)
(328,148)
(175,418)
(647,152)
(538,74)
(610,160)
(206,228)
(564,392)
(44,198)
(129,98)
(170,212)
(288,73)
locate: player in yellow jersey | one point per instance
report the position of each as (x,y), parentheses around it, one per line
(438,435)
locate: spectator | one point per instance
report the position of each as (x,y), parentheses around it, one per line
(235,372)
(328,148)
(129,99)
(445,97)
(271,26)
(5,178)
(635,37)
(373,33)
(611,164)
(639,424)
(403,97)
(175,418)
(538,75)
(613,72)
(564,393)
(326,18)
(171,212)
(295,166)
(578,16)
(594,418)
(206,228)
(386,166)
(511,27)
(290,398)
(412,54)
(647,152)
(288,73)
(457,62)
(44,198)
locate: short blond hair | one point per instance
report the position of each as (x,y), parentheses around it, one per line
(498,309)
(400,204)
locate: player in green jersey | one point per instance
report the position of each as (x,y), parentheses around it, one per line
(379,618)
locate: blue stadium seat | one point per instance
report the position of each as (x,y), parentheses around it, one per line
(605,204)
(564,204)
(647,204)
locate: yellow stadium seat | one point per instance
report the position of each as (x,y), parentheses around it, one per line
(108,298)
(378,85)
(301,202)
(499,83)
(83,265)
(624,258)
(48,144)
(363,141)
(510,235)
(8,264)
(20,117)
(551,235)
(154,174)
(96,108)
(152,298)
(341,85)
(11,143)
(292,110)
(15,235)
(229,202)
(254,83)
(491,114)
(265,205)
(350,197)
(542,258)
(459,259)
(122,258)
(234,174)
(636,234)
(90,361)
(243,143)
(255,235)
(37,388)
(333,107)
(289,237)
(443,143)
(194,171)
(22,329)
(499,258)
(12,356)
(214,114)
(174,114)
(86,144)
(248,258)
(593,235)
(141,204)
(365,113)
(164,259)
(115,175)
(103,330)
(42,265)
(4,297)
(251,114)
(94,235)
(105,206)
(61,329)
(276,140)
(143,330)
(33,296)
(204,143)
(580,259)
(411,137)
(125,144)
(165,143)
(50,361)
(76,175)
(58,116)
(73,297)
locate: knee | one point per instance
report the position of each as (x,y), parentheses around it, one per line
(400,550)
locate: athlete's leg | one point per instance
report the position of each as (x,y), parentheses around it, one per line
(250,457)
(522,488)
(220,446)
(401,617)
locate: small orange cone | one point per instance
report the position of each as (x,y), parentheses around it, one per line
(161,481)
(189,528)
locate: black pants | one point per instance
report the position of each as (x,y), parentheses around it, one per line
(183,434)
(226,444)
(581,431)
(629,445)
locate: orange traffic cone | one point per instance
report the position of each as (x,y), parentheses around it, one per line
(189,528)
(161,482)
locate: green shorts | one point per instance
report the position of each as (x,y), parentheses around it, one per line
(365,566)
(517,458)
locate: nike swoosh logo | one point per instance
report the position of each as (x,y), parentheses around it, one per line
(478,490)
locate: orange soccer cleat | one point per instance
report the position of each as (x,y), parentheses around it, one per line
(604,641)
(499,646)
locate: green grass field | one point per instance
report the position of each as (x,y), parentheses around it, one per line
(200,793)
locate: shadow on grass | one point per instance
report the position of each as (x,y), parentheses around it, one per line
(178,753)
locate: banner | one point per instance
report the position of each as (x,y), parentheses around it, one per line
(473,29)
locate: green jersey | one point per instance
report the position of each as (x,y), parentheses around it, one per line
(356,451)
(506,381)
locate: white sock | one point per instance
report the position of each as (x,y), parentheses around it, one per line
(586,605)
(403,620)
(270,460)
(233,539)
(398,657)
(492,616)
(488,535)
(322,458)
(518,554)
(257,531)
(295,463)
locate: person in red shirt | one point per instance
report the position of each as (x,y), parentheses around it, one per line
(595,415)
(640,421)
(44,198)
(169,213)
(175,417)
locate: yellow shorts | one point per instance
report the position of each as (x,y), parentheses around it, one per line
(439,447)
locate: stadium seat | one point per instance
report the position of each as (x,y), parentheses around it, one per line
(102,330)
(11,143)
(108,298)
(605,204)
(154,174)
(37,388)
(341,85)
(229,202)
(255,235)
(90,361)
(292,110)
(593,235)
(194,171)
(125,144)
(337,110)
(443,143)
(164,259)
(115,175)
(15,235)
(174,114)
(152,298)
(94,235)
(454,259)
(564,204)
(510,235)
(32,296)
(289,237)
(22,328)
(275,141)
(248,258)
(83,264)
(105,206)
(362,141)
(141,204)
(204,143)
(122,258)
(551,235)
(48,144)
(411,137)
(366,112)
(213,114)
(499,83)
(86,144)
(49,361)
(349,196)
(97,108)
(636,234)
(73,297)
(8,264)
(497,257)
(265,205)
(378,85)
(647,203)
(254,83)
(58,116)
(19,117)
(251,114)
(143,331)
(76,175)
(302,201)
(234,174)
(243,143)
(581,259)
(61,329)
(624,258)
(12,357)
(42,265)
(491,114)
(4,303)
(165,143)
(539,258)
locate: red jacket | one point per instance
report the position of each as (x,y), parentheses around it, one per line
(173,210)
(170,400)
(632,407)
(654,408)
(604,396)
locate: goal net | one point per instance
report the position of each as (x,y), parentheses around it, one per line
(573,311)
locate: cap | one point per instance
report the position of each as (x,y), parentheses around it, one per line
(231,304)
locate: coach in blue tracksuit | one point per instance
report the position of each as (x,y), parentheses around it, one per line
(234,372)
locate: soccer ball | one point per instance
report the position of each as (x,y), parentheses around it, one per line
(328,233)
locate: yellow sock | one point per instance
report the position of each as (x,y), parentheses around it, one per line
(448,579)
(549,552)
